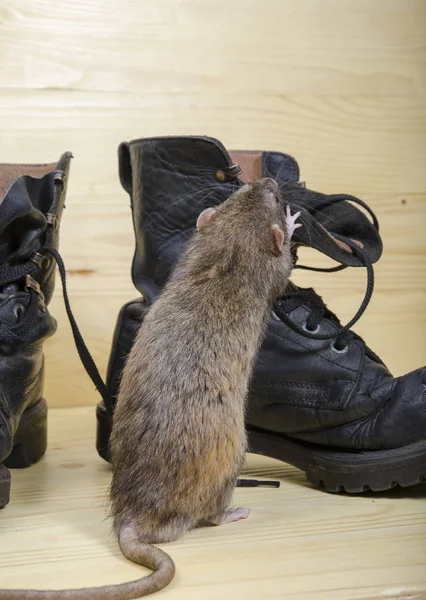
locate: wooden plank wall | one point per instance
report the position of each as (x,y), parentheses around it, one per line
(340,84)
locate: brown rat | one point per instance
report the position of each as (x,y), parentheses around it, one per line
(178,439)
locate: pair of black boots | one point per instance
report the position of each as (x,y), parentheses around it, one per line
(320,399)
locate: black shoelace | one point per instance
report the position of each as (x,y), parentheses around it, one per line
(19,332)
(292,299)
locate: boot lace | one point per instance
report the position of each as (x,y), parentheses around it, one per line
(293,298)
(10,276)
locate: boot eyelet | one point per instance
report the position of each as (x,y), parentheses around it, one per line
(18,311)
(306,328)
(59,177)
(52,221)
(46,263)
(220,176)
(43,262)
(338,350)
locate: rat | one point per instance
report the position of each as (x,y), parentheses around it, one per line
(178,437)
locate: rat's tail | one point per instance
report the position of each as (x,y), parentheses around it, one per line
(143,554)
(148,556)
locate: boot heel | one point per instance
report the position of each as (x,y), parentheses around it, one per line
(4,486)
(30,440)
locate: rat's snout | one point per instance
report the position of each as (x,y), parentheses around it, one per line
(269,190)
(269,183)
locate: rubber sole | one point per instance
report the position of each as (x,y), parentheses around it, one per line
(351,472)
(29,445)
(334,471)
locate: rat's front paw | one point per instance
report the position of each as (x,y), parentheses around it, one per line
(290,221)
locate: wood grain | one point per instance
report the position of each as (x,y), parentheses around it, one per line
(340,84)
(299,543)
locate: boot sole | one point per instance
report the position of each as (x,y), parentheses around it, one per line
(334,471)
(352,472)
(29,445)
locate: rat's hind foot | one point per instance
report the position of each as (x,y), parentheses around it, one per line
(231,515)
(290,221)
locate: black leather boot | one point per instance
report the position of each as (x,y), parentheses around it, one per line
(320,399)
(31,204)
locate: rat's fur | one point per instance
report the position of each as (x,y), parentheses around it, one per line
(178,438)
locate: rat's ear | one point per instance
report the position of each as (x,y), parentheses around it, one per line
(205,217)
(278,236)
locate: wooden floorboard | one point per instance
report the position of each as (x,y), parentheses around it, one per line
(299,542)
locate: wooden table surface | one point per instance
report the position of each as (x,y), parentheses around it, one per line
(299,543)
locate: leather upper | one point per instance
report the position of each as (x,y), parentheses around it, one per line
(302,389)
(178,177)
(30,212)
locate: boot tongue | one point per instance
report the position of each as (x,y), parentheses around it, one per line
(256,164)
(23,200)
(321,219)
(325,224)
